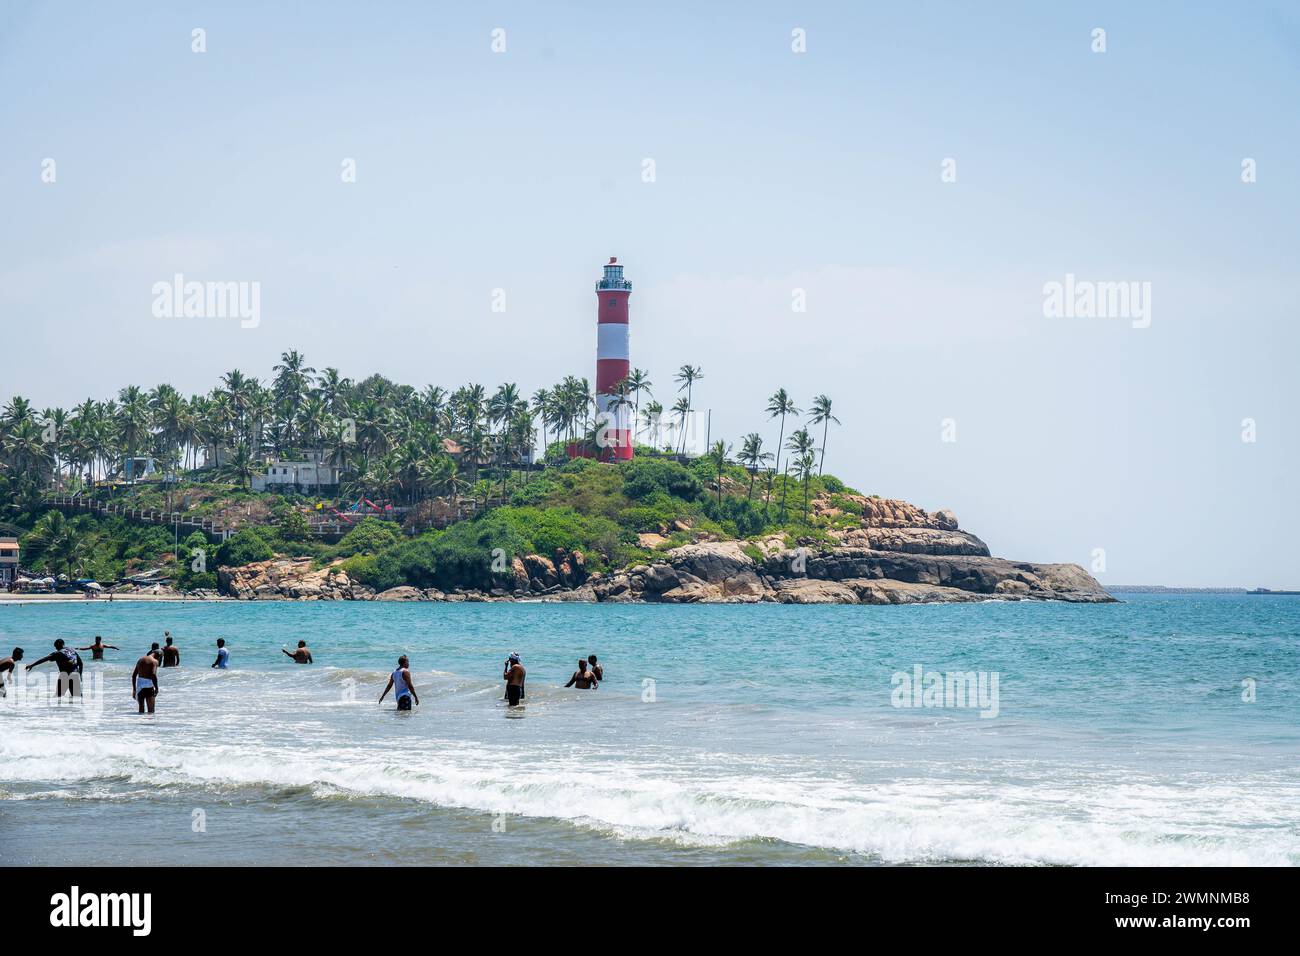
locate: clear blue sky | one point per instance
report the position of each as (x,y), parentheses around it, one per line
(775,171)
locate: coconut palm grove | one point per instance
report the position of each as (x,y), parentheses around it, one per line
(403,485)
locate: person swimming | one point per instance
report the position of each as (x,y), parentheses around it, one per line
(97,649)
(400,682)
(171,653)
(514,676)
(300,654)
(144,682)
(582,678)
(223,655)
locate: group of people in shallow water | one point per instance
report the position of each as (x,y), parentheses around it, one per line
(144,677)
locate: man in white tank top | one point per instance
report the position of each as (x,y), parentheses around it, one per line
(400,681)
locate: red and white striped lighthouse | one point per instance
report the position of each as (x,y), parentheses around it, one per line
(612,294)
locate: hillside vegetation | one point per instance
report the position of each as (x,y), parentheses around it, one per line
(617,515)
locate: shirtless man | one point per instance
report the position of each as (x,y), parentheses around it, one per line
(7,665)
(582,678)
(97,649)
(515,675)
(596,668)
(144,682)
(400,682)
(68,662)
(155,652)
(171,653)
(300,654)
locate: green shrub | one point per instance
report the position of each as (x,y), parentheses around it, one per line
(370,536)
(545,529)
(643,477)
(463,554)
(740,516)
(245,547)
(535,492)
(294,526)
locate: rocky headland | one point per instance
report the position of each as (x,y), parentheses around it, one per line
(897,554)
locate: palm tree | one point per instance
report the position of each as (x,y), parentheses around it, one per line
(340,443)
(653,415)
(238,387)
(18,410)
(821,415)
(803,469)
(800,442)
(26,451)
(542,409)
(681,411)
(718,455)
(752,456)
(311,421)
(779,404)
(242,464)
(687,376)
(620,392)
(292,381)
(133,421)
(56,541)
(333,388)
(438,472)
(55,422)
(638,381)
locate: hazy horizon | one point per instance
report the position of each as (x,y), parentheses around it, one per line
(777,174)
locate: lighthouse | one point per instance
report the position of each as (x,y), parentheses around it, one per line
(612,294)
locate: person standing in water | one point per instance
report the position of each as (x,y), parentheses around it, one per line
(300,654)
(223,655)
(596,668)
(7,667)
(400,682)
(144,682)
(582,678)
(514,676)
(97,649)
(171,653)
(155,652)
(69,664)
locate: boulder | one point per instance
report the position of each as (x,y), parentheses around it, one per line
(541,572)
(691,592)
(925,541)
(519,574)
(812,591)
(660,578)
(403,593)
(721,563)
(884,591)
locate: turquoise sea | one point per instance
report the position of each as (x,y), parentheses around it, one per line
(1162,730)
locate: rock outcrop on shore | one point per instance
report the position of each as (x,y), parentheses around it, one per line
(898,554)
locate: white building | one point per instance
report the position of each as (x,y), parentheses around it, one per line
(300,474)
(8,561)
